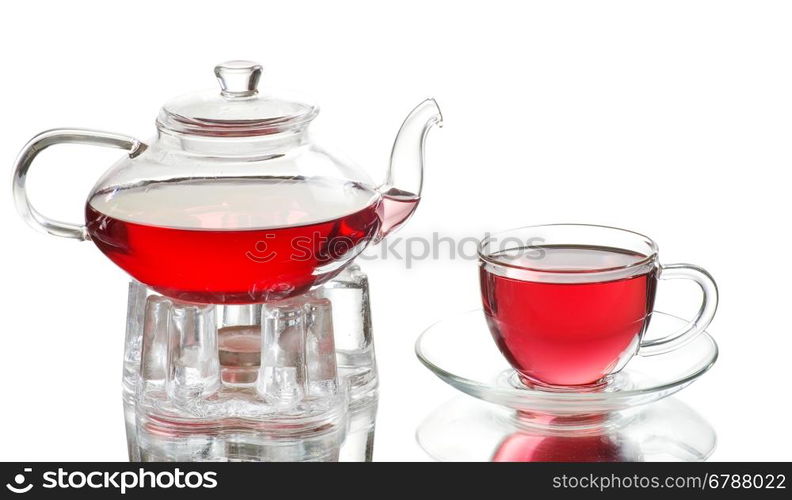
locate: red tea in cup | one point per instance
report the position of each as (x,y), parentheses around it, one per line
(569,333)
(568,304)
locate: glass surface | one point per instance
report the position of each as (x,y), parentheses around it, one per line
(460,351)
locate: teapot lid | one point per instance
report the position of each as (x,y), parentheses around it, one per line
(239,109)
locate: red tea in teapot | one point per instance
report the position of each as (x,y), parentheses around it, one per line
(237,240)
(397,207)
(232,201)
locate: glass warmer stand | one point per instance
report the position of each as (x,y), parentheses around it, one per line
(294,380)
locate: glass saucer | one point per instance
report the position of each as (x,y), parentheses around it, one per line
(465,429)
(462,353)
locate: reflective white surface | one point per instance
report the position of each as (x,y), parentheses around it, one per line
(672,120)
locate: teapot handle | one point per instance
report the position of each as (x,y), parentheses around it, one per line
(42,142)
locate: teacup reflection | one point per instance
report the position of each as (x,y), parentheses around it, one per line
(521,447)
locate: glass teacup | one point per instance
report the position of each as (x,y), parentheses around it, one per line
(568,304)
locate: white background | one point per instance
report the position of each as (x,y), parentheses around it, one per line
(672,118)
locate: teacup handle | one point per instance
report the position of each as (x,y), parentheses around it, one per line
(42,142)
(705,314)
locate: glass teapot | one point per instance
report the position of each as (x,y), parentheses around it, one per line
(231,202)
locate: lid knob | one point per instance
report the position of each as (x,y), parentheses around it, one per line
(238,78)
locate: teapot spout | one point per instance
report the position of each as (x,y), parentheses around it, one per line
(401,191)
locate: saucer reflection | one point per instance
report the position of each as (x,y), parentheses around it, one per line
(465,429)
